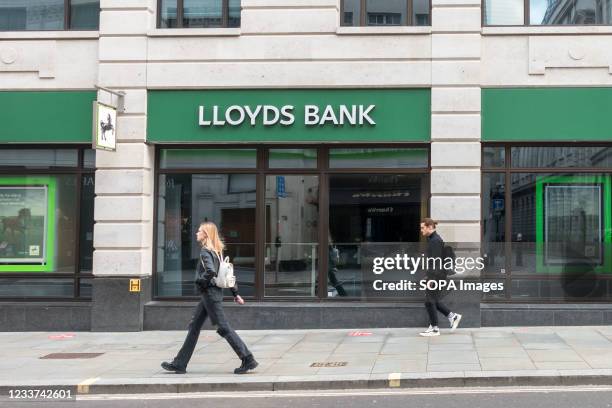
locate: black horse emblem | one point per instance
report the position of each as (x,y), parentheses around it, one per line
(107,127)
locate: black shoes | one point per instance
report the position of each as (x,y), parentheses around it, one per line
(171,367)
(248,363)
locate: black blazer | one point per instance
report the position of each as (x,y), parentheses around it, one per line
(207,269)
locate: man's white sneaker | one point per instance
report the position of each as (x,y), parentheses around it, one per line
(455,321)
(431,331)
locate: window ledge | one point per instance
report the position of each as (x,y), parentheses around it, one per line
(194,32)
(546,30)
(48,35)
(383,30)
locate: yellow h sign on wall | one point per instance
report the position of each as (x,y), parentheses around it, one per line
(134,285)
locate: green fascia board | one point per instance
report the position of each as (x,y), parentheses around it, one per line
(46,116)
(401,115)
(51,183)
(547,114)
(606,180)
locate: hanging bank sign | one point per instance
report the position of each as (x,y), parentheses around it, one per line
(270,115)
(288,115)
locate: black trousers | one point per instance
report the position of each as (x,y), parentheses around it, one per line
(210,306)
(434,305)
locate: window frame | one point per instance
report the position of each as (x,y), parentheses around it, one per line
(363,15)
(262,170)
(79,172)
(527,19)
(507,171)
(180,15)
(67,21)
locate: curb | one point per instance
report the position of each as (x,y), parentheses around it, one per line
(366,381)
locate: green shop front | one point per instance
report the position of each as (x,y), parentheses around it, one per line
(547,205)
(299,181)
(46,209)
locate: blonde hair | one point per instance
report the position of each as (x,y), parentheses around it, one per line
(213,241)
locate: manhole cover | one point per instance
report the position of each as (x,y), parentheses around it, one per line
(330,364)
(67,356)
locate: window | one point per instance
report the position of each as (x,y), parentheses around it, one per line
(298,221)
(385,13)
(46,222)
(33,15)
(547,221)
(547,12)
(198,13)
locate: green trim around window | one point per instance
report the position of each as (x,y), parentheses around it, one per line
(606,267)
(547,114)
(46,117)
(50,182)
(401,115)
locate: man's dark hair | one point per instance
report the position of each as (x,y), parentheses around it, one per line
(429,222)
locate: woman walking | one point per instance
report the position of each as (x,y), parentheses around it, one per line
(211,305)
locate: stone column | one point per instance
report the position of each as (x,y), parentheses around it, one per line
(123,233)
(455,130)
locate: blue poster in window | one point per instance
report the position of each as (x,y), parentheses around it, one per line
(280,187)
(498,204)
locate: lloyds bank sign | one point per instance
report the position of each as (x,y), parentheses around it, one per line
(270,115)
(288,115)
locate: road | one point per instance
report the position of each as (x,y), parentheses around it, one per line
(500,397)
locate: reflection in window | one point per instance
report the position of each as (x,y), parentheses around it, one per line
(494,157)
(420,10)
(504,12)
(168,14)
(292,242)
(31,15)
(88,188)
(366,210)
(293,158)
(208,158)
(186,200)
(378,158)
(385,12)
(84,14)
(569,156)
(493,222)
(550,12)
(39,158)
(200,13)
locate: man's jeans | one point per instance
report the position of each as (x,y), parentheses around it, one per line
(210,306)
(432,302)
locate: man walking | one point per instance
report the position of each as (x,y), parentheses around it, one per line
(433,304)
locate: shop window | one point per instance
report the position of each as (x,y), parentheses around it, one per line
(559,222)
(598,157)
(186,200)
(267,202)
(545,12)
(39,158)
(34,15)
(370,215)
(292,216)
(378,158)
(46,222)
(208,158)
(292,158)
(493,157)
(385,13)
(199,13)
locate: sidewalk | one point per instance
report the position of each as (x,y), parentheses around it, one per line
(366,358)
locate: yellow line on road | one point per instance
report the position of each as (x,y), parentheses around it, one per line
(83,387)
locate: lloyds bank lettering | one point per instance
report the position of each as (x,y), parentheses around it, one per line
(270,115)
